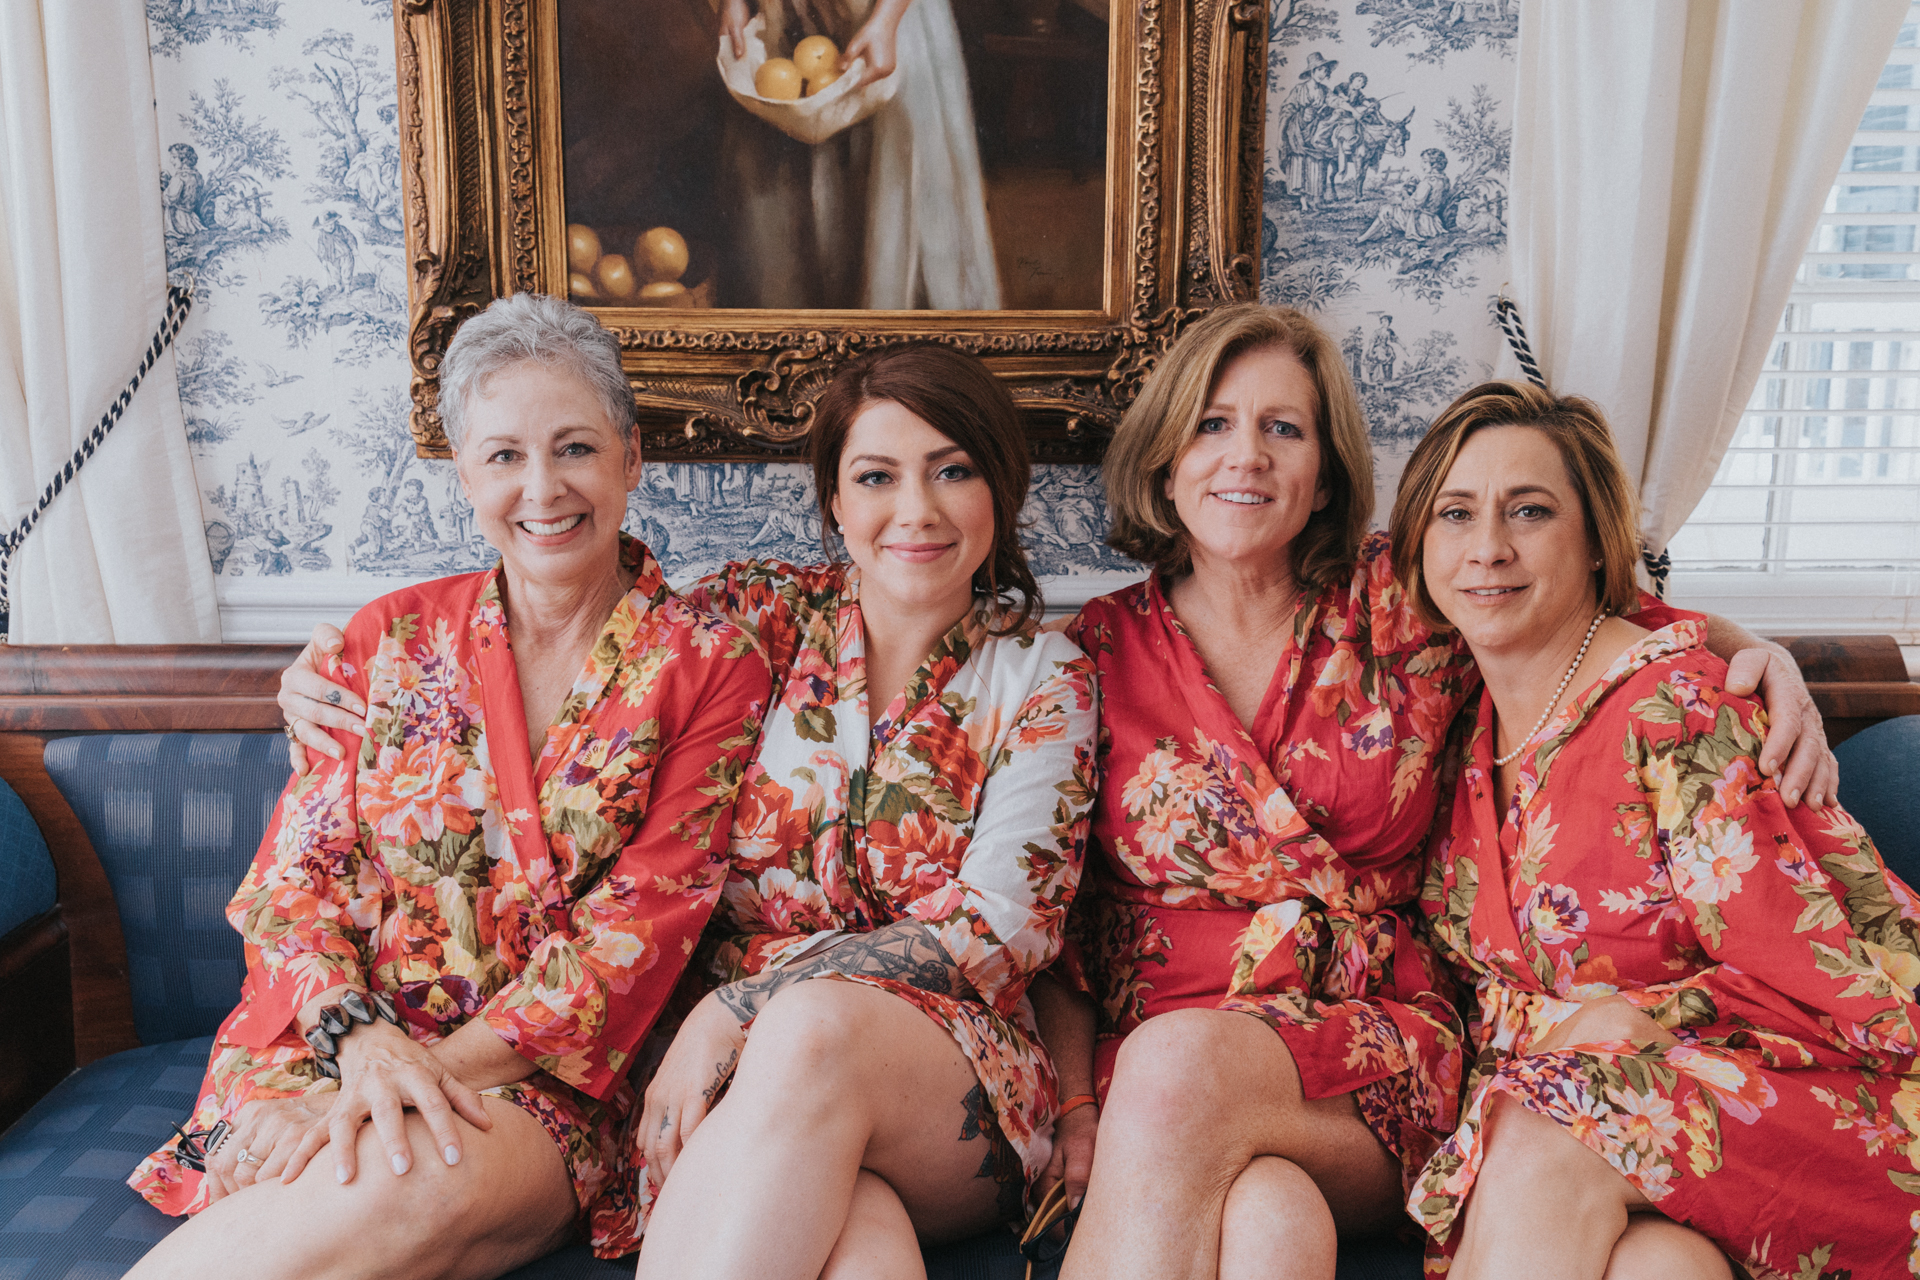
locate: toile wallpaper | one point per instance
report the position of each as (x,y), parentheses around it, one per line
(1385,215)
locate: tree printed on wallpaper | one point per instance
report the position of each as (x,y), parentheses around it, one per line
(173,24)
(210,381)
(1440,27)
(357,299)
(1385,192)
(214,189)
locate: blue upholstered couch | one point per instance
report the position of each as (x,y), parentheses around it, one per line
(169,822)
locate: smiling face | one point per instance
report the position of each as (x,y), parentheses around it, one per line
(1506,555)
(916,515)
(1247,483)
(547,474)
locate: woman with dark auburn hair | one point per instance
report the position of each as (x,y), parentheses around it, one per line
(1278,1049)
(910,831)
(1691,997)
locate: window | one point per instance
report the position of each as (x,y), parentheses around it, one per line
(1813,521)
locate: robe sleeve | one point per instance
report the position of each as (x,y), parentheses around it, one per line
(1810,935)
(585,999)
(762,598)
(1002,917)
(312,900)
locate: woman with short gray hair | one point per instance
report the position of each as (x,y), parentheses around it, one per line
(462,924)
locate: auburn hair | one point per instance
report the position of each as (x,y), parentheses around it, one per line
(960,398)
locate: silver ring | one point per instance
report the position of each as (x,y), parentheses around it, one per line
(247,1157)
(288,730)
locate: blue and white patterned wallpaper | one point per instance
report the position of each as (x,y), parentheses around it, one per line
(280,175)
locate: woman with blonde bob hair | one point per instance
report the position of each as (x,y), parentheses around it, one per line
(1277,1051)
(1690,995)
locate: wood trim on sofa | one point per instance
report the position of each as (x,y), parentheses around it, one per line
(50,691)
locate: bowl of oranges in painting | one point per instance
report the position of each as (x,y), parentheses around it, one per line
(803,91)
(626,269)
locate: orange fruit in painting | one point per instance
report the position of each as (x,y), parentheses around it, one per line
(663,293)
(777,78)
(824,79)
(581,286)
(583,247)
(660,254)
(817,60)
(615,276)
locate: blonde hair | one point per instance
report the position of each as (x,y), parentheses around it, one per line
(1578,430)
(1162,423)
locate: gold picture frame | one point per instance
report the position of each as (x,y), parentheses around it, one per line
(481,162)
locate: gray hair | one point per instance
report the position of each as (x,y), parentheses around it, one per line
(545,330)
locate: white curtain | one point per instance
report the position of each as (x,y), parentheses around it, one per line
(120,557)
(1670,162)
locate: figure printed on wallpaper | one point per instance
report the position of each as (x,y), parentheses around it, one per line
(1066,517)
(792,515)
(336,246)
(215,196)
(1416,214)
(1383,351)
(173,24)
(1305,169)
(189,208)
(371,544)
(415,523)
(979,185)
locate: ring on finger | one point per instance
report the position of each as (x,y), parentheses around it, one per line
(288,728)
(247,1157)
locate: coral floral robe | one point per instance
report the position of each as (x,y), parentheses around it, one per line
(1273,871)
(1642,854)
(963,806)
(557,899)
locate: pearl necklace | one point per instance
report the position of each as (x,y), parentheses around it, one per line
(1554,701)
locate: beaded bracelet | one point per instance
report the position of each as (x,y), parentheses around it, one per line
(338,1019)
(1077,1100)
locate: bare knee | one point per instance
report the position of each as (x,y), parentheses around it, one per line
(1531,1159)
(431,1201)
(1176,1075)
(817,1031)
(1276,1209)
(1654,1247)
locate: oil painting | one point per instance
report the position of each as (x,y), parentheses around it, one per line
(752,154)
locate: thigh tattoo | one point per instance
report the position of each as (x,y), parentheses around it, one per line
(1000,1161)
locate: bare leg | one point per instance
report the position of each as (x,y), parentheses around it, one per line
(1198,1096)
(1658,1248)
(507,1202)
(836,1077)
(878,1242)
(1536,1172)
(1276,1222)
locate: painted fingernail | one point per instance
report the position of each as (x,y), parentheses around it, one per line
(401,1164)
(452,1154)
(1793,797)
(340,1173)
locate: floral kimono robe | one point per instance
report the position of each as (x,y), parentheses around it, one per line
(557,899)
(1643,855)
(1264,871)
(963,805)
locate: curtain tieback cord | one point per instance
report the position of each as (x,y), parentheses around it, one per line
(179,303)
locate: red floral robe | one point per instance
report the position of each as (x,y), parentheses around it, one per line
(557,899)
(962,805)
(1273,872)
(1643,855)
